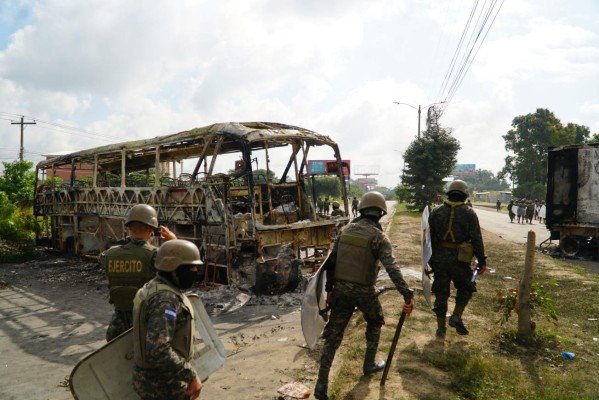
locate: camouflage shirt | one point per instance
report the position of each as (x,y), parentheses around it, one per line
(465,228)
(382,251)
(164,316)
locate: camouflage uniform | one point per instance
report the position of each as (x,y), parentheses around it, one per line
(127,267)
(161,320)
(337,212)
(349,295)
(354,206)
(444,260)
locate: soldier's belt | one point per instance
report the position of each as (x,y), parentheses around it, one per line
(448,245)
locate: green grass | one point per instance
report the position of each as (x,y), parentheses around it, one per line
(491,364)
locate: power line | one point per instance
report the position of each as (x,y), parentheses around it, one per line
(468,53)
(71,130)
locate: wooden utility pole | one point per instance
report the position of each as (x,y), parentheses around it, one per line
(22,123)
(525,331)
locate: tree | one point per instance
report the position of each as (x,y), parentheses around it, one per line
(402,193)
(18,182)
(528,143)
(324,186)
(484,180)
(429,160)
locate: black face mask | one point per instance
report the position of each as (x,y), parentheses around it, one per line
(186,276)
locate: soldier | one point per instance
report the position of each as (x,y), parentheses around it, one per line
(530,211)
(327,205)
(163,327)
(130,265)
(456,237)
(337,212)
(351,274)
(354,206)
(498,205)
(510,210)
(320,204)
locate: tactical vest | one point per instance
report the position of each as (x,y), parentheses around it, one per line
(182,342)
(355,261)
(128,268)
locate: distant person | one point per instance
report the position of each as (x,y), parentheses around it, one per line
(542,212)
(128,266)
(530,211)
(521,211)
(456,239)
(337,212)
(354,206)
(510,210)
(469,203)
(327,205)
(498,205)
(320,204)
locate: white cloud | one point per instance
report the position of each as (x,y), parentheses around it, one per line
(131,71)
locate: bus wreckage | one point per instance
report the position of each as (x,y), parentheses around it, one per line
(253,230)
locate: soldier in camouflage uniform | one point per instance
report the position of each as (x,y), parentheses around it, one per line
(128,266)
(337,212)
(163,327)
(456,237)
(351,275)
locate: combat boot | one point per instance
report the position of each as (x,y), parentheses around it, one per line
(441,329)
(456,322)
(320,391)
(370,366)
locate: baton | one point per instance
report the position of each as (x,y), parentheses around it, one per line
(402,318)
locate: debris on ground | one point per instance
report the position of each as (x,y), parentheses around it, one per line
(294,390)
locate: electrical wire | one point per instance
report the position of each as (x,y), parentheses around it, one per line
(457,70)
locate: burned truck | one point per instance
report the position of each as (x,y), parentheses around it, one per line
(572,214)
(216,186)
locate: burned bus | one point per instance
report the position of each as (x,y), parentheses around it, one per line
(215,186)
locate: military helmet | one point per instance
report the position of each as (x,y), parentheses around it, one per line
(458,186)
(143,213)
(336,204)
(177,252)
(373,200)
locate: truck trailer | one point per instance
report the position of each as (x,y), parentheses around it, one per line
(572,201)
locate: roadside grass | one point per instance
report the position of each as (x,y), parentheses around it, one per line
(489,363)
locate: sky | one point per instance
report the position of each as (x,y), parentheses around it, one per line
(98,72)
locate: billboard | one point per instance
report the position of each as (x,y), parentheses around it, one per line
(464,169)
(323,167)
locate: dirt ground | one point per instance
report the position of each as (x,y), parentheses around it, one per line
(54,311)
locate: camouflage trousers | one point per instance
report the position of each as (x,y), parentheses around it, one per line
(121,322)
(344,303)
(446,272)
(156,384)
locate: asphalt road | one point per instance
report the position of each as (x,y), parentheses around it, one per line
(499,223)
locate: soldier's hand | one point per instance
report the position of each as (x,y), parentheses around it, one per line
(194,388)
(166,234)
(408,307)
(481,268)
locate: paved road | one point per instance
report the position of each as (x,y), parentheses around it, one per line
(499,223)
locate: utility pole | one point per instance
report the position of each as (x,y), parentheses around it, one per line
(22,123)
(420,110)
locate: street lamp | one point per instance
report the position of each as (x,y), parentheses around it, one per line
(419,108)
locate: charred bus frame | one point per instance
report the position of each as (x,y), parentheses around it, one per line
(252,231)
